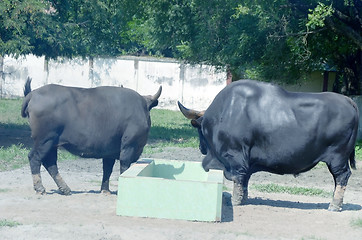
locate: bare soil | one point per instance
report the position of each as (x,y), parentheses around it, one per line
(87,214)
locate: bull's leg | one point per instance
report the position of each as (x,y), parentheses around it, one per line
(35,164)
(240,190)
(129,155)
(50,163)
(131,148)
(108,164)
(341,176)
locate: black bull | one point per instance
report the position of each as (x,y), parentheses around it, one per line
(253,126)
(103,122)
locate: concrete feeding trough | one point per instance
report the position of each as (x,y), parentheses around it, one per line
(170,189)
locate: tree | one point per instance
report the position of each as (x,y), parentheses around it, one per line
(336,38)
(56,28)
(99,28)
(15,20)
(269,40)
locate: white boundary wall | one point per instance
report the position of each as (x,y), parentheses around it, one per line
(194,85)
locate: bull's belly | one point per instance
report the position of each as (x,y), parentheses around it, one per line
(284,160)
(92,151)
(287,165)
(284,168)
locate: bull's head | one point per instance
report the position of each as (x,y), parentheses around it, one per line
(196,121)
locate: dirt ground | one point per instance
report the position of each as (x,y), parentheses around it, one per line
(87,214)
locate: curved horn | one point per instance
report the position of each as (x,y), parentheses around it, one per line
(189,113)
(152,101)
(158,94)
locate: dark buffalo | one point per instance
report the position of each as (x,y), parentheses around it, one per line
(103,122)
(253,126)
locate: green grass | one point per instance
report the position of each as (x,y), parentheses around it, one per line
(358,150)
(16,156)
(10,116)
(171,128)
(13,157)
(4,190)
(7,223)
(274,188)
(311,238)
(357,222)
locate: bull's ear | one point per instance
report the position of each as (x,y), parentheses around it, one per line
(197,122)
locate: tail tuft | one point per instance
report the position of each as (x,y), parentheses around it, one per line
(27,88)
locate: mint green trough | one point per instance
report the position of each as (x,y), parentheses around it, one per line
(170,189)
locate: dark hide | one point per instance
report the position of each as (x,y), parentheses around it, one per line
(253,126)
(103,122)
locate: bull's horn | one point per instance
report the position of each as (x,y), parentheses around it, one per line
(152,101)
(158,94)
(189,113)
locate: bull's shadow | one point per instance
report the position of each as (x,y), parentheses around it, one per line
(227,211)
(299,205)
(14,134)
(57,192)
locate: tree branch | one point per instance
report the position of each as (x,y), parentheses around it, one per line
(297,34)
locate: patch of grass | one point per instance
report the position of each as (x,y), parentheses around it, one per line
(225,188)
(358,150)
(3,190)
(16,156)
(151,149)
(171,128)
(311,238)
(274,188)
(357,222)
(65,155)
(7,223)
(13,157)
(10,116)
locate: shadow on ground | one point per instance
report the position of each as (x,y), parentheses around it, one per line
(299,205)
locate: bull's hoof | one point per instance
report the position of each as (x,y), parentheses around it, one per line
(106,192)
(65,191)
(237,201)
(334,208)
(40,192)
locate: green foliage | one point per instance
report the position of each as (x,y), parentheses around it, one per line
(274,188)
(14,22)
(318,15)
(269,40)
(7,223)
(358,150)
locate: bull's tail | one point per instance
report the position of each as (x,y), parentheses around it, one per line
(352,160)
(27,96)
(352,157)
(152,101)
